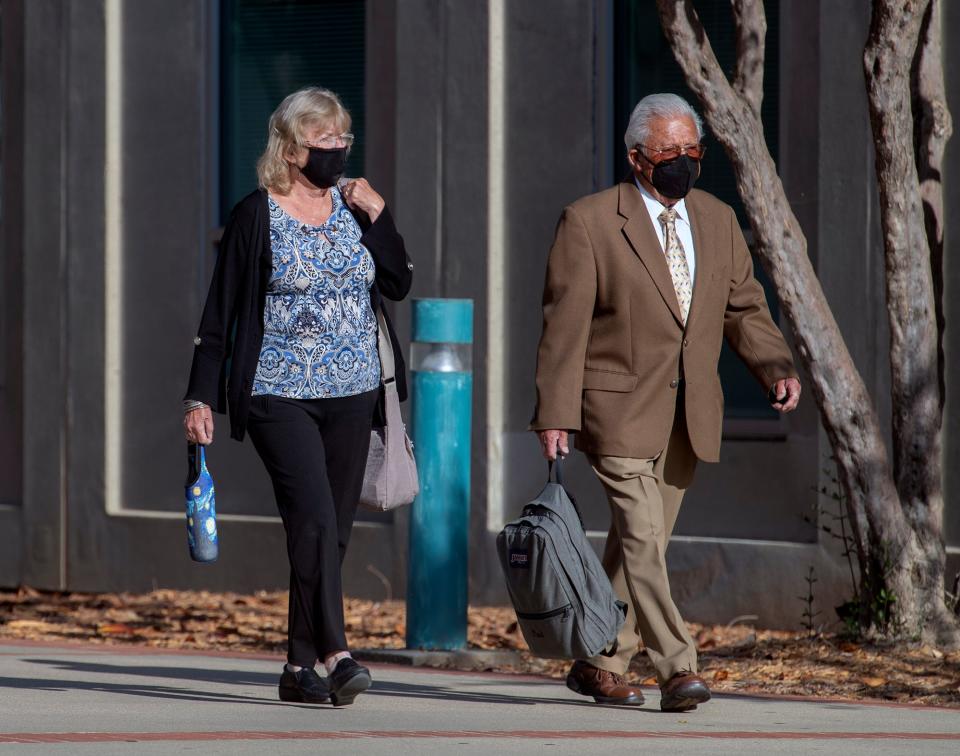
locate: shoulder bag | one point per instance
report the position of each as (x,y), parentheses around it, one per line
(391,478)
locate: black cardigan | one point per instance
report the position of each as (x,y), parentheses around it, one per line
(231,329)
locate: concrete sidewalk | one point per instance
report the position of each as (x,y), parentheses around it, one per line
(86,700)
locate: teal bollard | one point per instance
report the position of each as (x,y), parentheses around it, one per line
(442,371)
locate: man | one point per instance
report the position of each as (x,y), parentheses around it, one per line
(644,281)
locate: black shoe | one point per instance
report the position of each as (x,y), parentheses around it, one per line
(305,686)
(347,681)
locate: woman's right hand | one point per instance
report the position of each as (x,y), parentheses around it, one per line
(198,424)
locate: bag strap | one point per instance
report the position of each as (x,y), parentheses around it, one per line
(388,370)
(555,474)
(196,462)
(385,347)
(613,649)
(555,465)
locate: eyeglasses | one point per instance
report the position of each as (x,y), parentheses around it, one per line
(660,155)
(330,142)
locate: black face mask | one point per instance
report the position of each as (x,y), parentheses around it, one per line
(325,167)
(675,178)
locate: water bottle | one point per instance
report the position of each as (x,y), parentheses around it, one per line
(201,507)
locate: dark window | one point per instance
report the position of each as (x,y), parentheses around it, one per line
(271,48)
(644,64)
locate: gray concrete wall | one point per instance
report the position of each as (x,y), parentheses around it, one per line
(169,214)
(441,188)
(551,152)
(742,546)
(45,392)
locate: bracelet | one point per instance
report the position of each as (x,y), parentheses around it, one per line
(192,404)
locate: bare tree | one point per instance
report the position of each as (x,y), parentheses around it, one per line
(896,510)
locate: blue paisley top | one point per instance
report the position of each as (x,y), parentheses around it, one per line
(319,330)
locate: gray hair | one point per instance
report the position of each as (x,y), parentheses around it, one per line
(663,105)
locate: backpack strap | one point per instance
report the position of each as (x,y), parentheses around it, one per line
(555,465)
(555,475)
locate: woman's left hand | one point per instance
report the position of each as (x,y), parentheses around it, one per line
(361,196)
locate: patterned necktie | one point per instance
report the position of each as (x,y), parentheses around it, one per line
(677,260)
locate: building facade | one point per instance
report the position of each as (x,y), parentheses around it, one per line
(129,129)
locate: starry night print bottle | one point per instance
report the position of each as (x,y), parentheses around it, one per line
(201,507)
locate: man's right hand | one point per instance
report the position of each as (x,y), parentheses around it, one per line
(552,441)
(198,424)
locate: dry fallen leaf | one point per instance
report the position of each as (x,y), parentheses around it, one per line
(26,626)
(115,629)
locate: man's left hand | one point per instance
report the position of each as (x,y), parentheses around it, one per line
(787,394)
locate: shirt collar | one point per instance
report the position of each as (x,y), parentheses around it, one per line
(331,221)
(655,207)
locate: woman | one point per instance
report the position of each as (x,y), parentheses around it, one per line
(302,267)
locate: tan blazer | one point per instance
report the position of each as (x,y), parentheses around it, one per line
(613,351)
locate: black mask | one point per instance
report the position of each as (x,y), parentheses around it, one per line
(675,178)
(325,167)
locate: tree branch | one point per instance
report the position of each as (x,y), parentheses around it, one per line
(751,23)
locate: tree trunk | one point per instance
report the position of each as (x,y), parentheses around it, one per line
(911,306)
(932,127)
(845,405)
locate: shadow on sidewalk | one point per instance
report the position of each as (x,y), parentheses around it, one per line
(244,678)
(442,693)
(193,674)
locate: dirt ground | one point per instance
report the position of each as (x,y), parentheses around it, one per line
(735,659)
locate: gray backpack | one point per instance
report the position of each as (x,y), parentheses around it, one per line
(565,605)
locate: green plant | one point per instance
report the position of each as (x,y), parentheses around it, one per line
(872,605)
(808,614)
(837,528)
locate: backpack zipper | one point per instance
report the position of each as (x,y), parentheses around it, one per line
(564,610)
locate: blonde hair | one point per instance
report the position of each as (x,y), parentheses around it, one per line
(304,108)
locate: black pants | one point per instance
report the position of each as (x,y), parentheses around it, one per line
(315,451)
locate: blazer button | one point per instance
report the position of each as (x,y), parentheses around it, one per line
(196,340)
(686,343)
(409,266)
(674,383)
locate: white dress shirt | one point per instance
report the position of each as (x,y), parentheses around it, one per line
(684,231)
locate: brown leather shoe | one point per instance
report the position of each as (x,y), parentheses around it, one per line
(683,692)
(605,687)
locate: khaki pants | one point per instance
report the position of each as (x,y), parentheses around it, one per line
(645,496)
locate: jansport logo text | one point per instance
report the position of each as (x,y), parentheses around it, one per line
(519,559)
